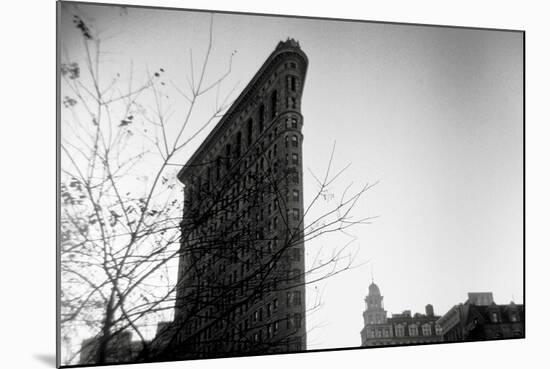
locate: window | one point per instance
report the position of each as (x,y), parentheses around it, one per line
(438,329)
(249,131)
(294,141)
(286,141)
(218,167)
(295,254)
(238,145)
(261,117)
(291,103)
(295,195)
(494,317)
(426,330)
(274,104)
(298,320)
(413,330)
(295,159)
(294,123)
(296,214)
(291,83)
(227,156)
(297,298)
(399,330)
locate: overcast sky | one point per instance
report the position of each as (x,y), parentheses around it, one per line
(434,114)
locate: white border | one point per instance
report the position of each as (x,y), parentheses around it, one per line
(28,181)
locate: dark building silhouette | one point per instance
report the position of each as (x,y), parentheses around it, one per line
(480,318)
(241,271)
(120,349)
(400,329)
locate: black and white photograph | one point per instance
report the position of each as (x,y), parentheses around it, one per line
(236,184)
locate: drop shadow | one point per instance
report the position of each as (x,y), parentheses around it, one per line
(47,359)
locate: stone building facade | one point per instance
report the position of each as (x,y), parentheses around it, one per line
(480,318)
(241,284)
(399,329)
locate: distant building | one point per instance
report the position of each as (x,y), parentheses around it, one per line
(480,318)
(400,329)
(120,349)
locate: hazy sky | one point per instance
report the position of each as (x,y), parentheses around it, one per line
(433,114)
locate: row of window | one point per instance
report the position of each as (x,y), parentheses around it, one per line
(210,175)
(400,331)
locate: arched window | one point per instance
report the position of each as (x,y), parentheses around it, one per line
(295,141)
(274,104)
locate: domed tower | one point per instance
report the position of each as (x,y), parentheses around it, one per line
(374,313)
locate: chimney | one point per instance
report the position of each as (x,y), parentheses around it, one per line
(429,310)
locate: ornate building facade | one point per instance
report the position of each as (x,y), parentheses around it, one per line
(241,284)
(400,329)
(480,318)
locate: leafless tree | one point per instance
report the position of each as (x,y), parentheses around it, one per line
(121,212)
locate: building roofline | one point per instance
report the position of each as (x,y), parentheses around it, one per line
(290,45)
